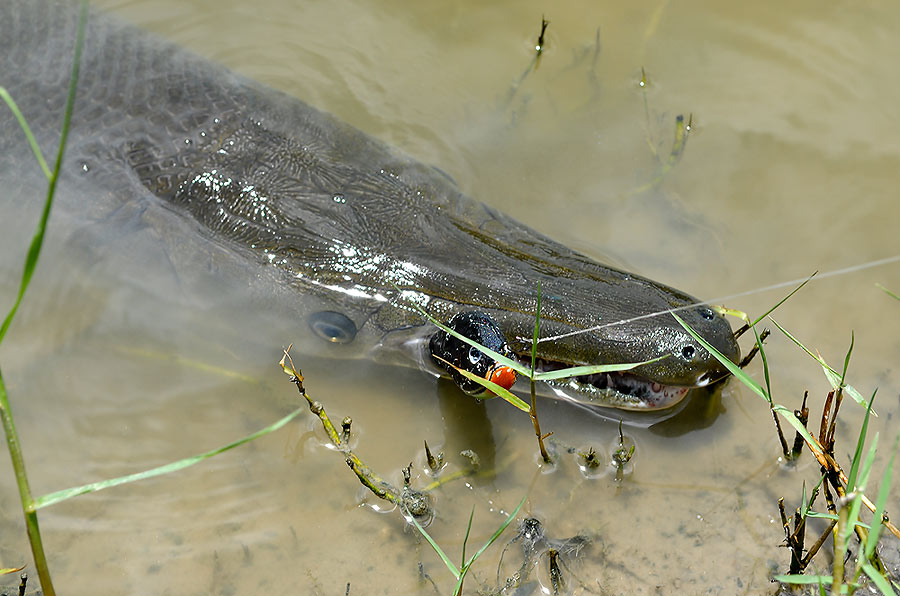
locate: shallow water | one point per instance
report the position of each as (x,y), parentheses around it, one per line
(789,169)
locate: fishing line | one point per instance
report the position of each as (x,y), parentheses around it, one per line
(777,286)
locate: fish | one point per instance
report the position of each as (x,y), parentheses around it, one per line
(345,233)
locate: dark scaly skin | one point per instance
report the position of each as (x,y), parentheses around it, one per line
(331,215)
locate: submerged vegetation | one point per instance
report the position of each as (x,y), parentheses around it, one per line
(30,503)
(843,511)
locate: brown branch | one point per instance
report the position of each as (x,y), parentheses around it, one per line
(537,426)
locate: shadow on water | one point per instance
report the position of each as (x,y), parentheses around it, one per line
(702,409)
(466,426)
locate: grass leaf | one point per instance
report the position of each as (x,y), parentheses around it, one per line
(788,415)
(860,443)
(883,491)
(537,328)
(815,357)
(850,390)
(888,292)
(804,579)
(434,545)
(8,570)
(731,366)
(525,370)
(34,250)
(765,362)
(62,495)
(504,360)
(878,579)
(782,301)
(466,538)
(23,124)
(577,371)
(487,544)
(847,358)
(863,480)
(833,377)
(498,390)
(830,516)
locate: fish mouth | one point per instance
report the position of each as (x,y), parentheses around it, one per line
(620,390)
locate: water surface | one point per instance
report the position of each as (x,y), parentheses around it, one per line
(790,168)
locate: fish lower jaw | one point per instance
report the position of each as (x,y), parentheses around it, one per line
(622,391)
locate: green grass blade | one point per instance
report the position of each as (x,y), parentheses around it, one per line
(883,491)
(878,579)
(743,377)
(497,533)
(23,124)
(731,366)
(835,380)
(888,292)
(788,415)
(815,357)
(765,362)
(537,327)
(12,439)
(804,579)
(833,377)
(516,366)
(577,371)
(8,570)
(782,301)
(62,495)
(500,391)
(833,517)
(863,481)
(847,358)
(434,546)
(37,241)
(487,544)
(815,490)
(525,370)
(466,538)
(860,443)
(820,515)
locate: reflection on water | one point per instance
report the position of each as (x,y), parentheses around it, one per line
(790,168)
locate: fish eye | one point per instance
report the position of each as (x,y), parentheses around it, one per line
(475,355)
(333,326)
(688,352)
(707,314)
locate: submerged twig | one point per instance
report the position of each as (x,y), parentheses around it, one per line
(540,42)
(346,423)
(533,411)
(533,65)
(539,48)
(682,130)
(435,463)
(793,539)
(803,416)
(556,579)
(755,349)
(622,455)
(414,502)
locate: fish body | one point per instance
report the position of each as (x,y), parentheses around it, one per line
(345,232)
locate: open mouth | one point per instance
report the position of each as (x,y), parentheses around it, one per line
(614,390)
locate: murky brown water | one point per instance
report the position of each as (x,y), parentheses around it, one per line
(790,168)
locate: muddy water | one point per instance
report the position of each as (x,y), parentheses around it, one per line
(789,169)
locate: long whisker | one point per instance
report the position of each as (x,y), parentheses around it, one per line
(776,286)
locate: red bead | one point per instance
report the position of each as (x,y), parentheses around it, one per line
(503,376)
